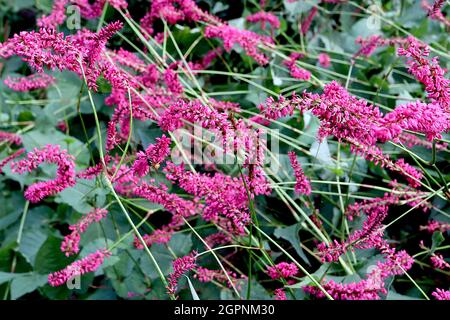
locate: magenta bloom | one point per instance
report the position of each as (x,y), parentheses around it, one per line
(374,285)
(65,174)
(434,225)
(89,263)
(264,17)
(248,40)
(295,71)
(153,156)
(324,60)
(437,260)
(28,83)
(427,71)
(56,17)
(10,158)
(10,137)
(158,236)
(225,196)
(302,184)
(70,244)
(280,294)
(282,270)
(441,294)
(180,266)
(194,112)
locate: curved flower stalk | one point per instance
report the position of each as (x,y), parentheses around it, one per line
(395,263)
(181,266)
(28,83)
(11,157)
(70,244)
(10,137)
(249,41)
(434,11)
(295,71)
(65,174)
(89,263)
(428,72)
(265,18)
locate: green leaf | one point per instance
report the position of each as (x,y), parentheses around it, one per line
(26,283)
(50,258)
(291,234)
(32,240)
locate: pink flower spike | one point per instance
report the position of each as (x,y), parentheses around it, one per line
(89,263)
(28,83)
(65,174)
(441,294)
(180,266)
(302,184)
(282,270)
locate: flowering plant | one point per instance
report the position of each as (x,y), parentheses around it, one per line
(266,150)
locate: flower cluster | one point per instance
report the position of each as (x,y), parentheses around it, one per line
(65,174)
(10,137)
(89,263)
(70,244)
(158,236)
(264,17)
(32,82)
(282,270)
(249,41)
(153,156)
(180,266)
(302,184)
(295,71)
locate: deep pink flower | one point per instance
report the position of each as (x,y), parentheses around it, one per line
(434,225)
(28,83)
(89,263)
(10,137)
(158,236)
(171,202)
(429,119)
(172,82)
(437,260)
(280,294)
(434,11)
(194,112)
(70,244)
(56,17)
(295,71)
(428,72)
(224,196)
(374,285)
(282,270)
(308,20)
(264,17)
(302,184)
(65,174)
(324,60)
(207,275)
(441,294)
(11,157)
(248,40)
(154,155)
(180,266)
